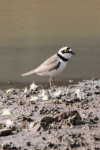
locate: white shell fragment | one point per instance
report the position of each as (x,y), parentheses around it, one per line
(57,93)
(9,123)
(43,95)
(25,91)
(6,112)
(79,93)
(34,98)
(33,86)
(32,124)
(9,91)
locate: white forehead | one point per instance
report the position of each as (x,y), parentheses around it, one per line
(70,50)
(63,48)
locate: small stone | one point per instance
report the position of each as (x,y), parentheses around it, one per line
(50,144)
(97,93)
(43,138)
(97,137)
(49,132)
(10,146)
(28,144)
(35,106)
(96,119)
(89,94)
(97,87)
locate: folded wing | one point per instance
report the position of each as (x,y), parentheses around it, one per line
(50,64)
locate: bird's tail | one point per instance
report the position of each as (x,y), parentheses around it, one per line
(28,73)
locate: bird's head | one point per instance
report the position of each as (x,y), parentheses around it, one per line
(66,52)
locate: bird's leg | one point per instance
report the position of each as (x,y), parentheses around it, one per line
(50,80)
(53,81)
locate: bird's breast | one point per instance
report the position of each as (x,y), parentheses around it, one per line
(55,71)
(60,69)
(62,65)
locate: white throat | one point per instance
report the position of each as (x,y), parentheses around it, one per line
(64,57)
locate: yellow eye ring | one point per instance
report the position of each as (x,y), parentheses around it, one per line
(66,50)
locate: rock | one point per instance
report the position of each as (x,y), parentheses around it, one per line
(72,117)
(97,87)
(24,118)
(10,146)
(43,138)
(97,137)
(39,127)
(5,132)
(67,114)
(36,128)
(97,93)
(47,119)
(89,94)
(28,143)
(49,144)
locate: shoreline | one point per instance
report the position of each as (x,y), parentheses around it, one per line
(20,85)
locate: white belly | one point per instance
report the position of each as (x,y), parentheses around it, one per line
(54,72)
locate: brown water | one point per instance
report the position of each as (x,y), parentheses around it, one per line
(33,30)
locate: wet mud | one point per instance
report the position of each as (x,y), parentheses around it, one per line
(63,118)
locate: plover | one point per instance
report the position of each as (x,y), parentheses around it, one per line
(53,65)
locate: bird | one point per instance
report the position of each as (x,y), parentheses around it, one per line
(53,65)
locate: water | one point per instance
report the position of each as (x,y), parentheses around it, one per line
(31,31)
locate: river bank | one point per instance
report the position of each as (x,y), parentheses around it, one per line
(67,117)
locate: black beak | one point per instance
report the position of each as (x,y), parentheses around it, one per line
(73,53)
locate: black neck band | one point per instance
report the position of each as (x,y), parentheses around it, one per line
(62,58)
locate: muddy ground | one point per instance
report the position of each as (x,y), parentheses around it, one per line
(65,118)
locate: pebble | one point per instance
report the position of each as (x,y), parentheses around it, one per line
(5,132)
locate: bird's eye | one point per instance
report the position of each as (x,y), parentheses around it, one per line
(66,50)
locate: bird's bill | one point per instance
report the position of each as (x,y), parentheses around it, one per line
(73,53)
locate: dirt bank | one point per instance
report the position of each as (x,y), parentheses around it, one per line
(66,118)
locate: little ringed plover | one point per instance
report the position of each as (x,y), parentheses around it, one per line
(53,65)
